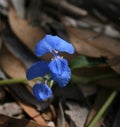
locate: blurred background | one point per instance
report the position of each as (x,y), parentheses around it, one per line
(93,27)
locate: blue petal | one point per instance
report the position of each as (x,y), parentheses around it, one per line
(60,72)
(58,65)
(50,43)
(39,69)
(42,91)
(62,79)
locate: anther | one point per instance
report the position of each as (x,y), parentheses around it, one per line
(61,57)
(52,58)
(46,81)
(55,51)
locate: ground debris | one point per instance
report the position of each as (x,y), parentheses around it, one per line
(92,27)
(11,109)
(77,113)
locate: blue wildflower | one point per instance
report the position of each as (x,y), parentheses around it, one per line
(57,67)
(39,69)
(59,71)
(42,91)
(54,45)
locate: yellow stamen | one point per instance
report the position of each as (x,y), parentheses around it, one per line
(55,51)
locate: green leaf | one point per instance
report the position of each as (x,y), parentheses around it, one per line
(83,61)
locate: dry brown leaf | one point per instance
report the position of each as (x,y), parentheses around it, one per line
(83,43)
(6,121)
(16,69)
(53,111)
(108,45)
(11,65)
(33,113)
(115,63)
(87,43)
(50,113)
(28,34)
(19,6)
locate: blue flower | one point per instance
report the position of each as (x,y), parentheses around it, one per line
(59,71)
(54,45)
(39,69)
(42,91)
(57,67)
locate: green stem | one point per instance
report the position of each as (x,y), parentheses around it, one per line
(51,83)
(77,79)
(98,77)
(12,81)
(103,109)
(16,80)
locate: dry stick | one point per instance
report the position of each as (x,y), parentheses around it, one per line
(64,5)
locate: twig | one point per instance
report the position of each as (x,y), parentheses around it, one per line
(64,5)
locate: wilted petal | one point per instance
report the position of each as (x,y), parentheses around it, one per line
(60,72)
(50,43)
(42,91)
(39,69)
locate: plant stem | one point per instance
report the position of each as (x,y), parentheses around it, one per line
(51,83)
(77,79)
(103,109)
(98,77)
(16,80)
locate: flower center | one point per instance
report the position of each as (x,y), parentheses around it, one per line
(56,54)
(55,51)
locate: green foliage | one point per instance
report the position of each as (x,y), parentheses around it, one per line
(83,61)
